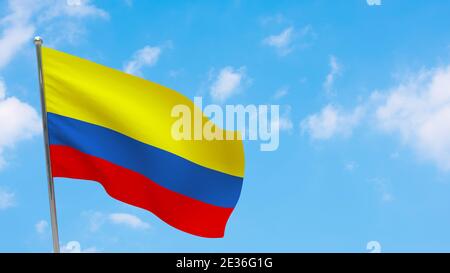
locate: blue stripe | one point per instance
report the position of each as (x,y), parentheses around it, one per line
(168,170)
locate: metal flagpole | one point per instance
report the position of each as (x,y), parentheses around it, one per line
(51,188)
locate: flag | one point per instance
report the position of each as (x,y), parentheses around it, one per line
(114,128)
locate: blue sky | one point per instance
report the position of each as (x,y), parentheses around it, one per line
(364,94)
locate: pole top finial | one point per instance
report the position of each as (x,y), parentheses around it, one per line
(38,40)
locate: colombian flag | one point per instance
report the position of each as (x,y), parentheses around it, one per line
(115,129)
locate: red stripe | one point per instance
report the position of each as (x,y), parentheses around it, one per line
(177,210)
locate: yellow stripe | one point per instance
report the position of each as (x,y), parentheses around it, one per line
(140,109)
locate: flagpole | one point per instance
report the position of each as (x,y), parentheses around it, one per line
(51,188)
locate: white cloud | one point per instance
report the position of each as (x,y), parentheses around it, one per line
(282,41)
(350,166)
(382,187)
(227,83)
(51,9)
(25,16)
(175,73)
(273,19)
(71,8)
(418,111)
(335,70)
(330,122)
(373,2)
(12,40)
(18,121)
(128,220)
(281,92)
(147,56)
(96,220)
(41,226)
(129,3)
(289,39)
(16,30)
(284,123)
(394,155)
(61,21)
(74,2)
(83,8)
(75,247)
(2,90)
(7,199)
